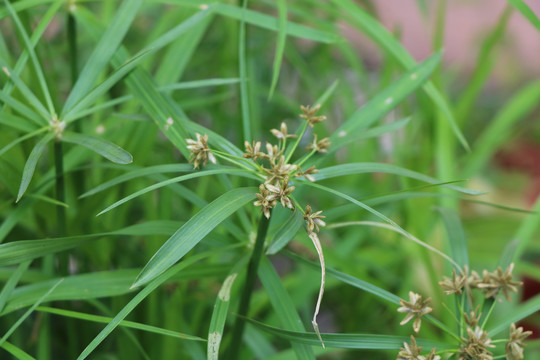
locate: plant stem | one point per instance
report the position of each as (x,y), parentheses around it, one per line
(60,187)
(245,298)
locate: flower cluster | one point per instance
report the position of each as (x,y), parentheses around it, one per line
(476,344)
(200,152)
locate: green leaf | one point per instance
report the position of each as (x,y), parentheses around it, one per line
(124,323)
(22,138)
(280,46)
(193,231)
(286,232)
(499,130)
(518,313)
(526,11)
(384,101)
(220,170)
(21,108)
(37,66)
(104,148)
(242,69)
(31,163)
(269,22)
(69,114)
(151,170)
(28,312)
(360,168)
(16,252)
(11,283)
(103,51)
(15,351)
(388,42)
(349,341)
(136,300)
(76,287)
(456,236)
(220,312)
(283,306)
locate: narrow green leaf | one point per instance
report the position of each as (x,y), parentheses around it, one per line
(388,42)
(11,283)
(283,306)
(157,169)
(384,101)
(21,108)
(193,231)
(520,105)
(526,11)
(16,252)
(280,46)
(104,50)
(360,168)
(136,300)
(220,170)
(17,122)
(31,163)
(37,66)
(104,148)
(286,232)
(15,351)
(25,91)
(456,236)
(526,231)
(220,312)
(124,323)
(269,22)
(28,312)
(242,69)
(69,114)
(518,313)
(76,287)
(22,138)
(349,341)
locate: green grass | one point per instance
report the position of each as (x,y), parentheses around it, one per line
(113,246)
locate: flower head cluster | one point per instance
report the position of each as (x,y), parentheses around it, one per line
(514,347)
(200,152)
(310,114)
(412,352)
(496,281)
(415,308)
(476,345)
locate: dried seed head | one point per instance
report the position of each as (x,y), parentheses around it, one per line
(514,347)
(455,284)
(253,151)
(499,280)
(319,146)
(476,345)
(309,114)
(266,200)
(200,152)
(314,220)
(415,308)
(282,134)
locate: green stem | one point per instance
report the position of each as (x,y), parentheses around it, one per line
(299,135)
(60,187)
(245,298)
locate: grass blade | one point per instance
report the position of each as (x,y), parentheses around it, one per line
(135,301)
(11,283)
(456,236)
(280,46)
(519,312)
(31,163)
(37,66)
(124,323)
(269,22)
(360,168)
(286,232)
(242,69)
(15,351)
(220,170)
(28,312)
(521,104)
(22,138)
(104,50)
(102,147)
(389,43)
(283,306)
(21,108)
(220,312)
(349,341)
(526,11)
(384,101)
(193,231)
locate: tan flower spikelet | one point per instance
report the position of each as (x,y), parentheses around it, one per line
(415,308)
(200,152)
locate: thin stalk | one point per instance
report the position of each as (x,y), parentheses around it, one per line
(60,187)
(245,298)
